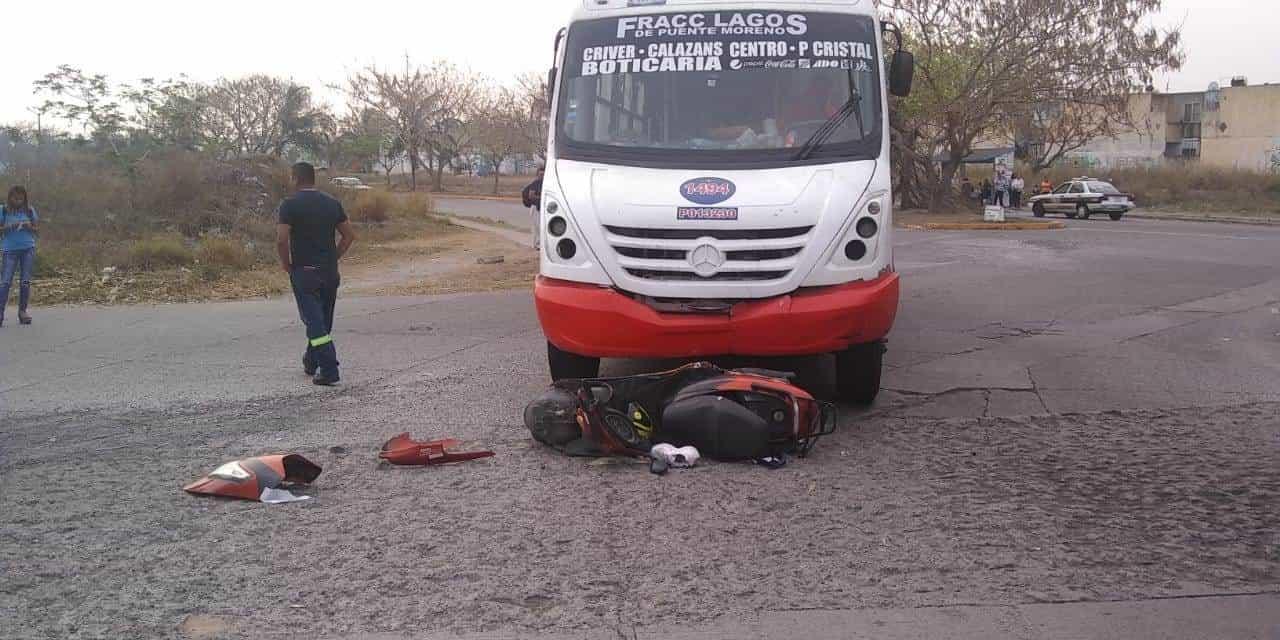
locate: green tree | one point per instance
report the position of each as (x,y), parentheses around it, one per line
(85,100)
(169,112)
(982,67)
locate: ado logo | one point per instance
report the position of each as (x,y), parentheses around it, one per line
(708,190)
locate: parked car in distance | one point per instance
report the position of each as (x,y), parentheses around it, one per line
(353,184)
(1083,197)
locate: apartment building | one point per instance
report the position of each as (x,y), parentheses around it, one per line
(1232,127)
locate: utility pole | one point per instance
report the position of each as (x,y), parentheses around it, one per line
(39,111)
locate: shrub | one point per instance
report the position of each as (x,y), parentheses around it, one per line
(417,205)
(223,253)
(157,252)
(371,206)
(52,261)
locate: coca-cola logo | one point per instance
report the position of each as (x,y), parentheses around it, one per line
(708,190)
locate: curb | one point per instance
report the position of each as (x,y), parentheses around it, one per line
(986,226)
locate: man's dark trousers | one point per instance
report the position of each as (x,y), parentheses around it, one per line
(316,291)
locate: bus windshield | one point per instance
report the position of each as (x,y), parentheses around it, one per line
(728,86)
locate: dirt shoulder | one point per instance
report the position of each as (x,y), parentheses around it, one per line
(419,256)
(460,260)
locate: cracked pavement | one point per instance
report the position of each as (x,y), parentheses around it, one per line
(1077,426)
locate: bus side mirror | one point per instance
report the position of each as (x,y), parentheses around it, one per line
(902,73)
(551,86)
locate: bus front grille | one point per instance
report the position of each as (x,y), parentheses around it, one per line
(745,255)
(687,276)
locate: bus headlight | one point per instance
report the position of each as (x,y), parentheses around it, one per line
(566,255)
(862,248)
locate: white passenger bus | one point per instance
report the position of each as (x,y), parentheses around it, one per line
(718,184)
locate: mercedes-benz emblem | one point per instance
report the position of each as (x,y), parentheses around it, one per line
(706,260)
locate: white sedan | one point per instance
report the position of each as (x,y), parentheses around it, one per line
(1083,197)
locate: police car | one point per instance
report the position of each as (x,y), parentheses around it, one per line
(1083,197)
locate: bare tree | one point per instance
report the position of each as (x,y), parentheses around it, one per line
(448,136)
(533,92)
(979,66)
(498,135)
(263,115)
(420,104)
(1053,130)
(448,141)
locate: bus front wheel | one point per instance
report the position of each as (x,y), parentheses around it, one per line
(858,373)
(571,366)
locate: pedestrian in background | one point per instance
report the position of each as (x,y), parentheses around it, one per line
(1002,185)
(1016,188)
(19,227)
(1046,186)
(532,197)
(966,189)
(987,191)
(309,222)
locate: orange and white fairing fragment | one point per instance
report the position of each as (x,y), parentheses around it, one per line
(258,479)
(403,450)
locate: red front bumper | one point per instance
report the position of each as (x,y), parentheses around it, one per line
(591,320)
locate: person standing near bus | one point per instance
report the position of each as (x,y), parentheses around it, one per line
(19,227)
(1016,187)
(309,220)
(532,197)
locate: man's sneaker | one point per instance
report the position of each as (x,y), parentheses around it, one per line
(309,367)
(326,380)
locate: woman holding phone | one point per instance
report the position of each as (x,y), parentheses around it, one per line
(19,226)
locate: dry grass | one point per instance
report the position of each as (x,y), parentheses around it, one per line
(155,253)
(508,186)
(186,228)
(417,205)
(1190,188)
(164,286)
(371,206)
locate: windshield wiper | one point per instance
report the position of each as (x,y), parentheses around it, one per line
(851,107)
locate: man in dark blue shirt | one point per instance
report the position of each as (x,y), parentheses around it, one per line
(309,253)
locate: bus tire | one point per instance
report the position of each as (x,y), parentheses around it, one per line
(571,366)
(1117,217)
(858,373)
(1082,211)
(1037,209)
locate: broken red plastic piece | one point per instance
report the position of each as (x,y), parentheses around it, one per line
(247,479)
(403,450)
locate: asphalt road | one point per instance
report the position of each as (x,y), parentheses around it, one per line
(506,211)
(1077,439)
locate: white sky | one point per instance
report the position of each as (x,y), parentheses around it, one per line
(130,39)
